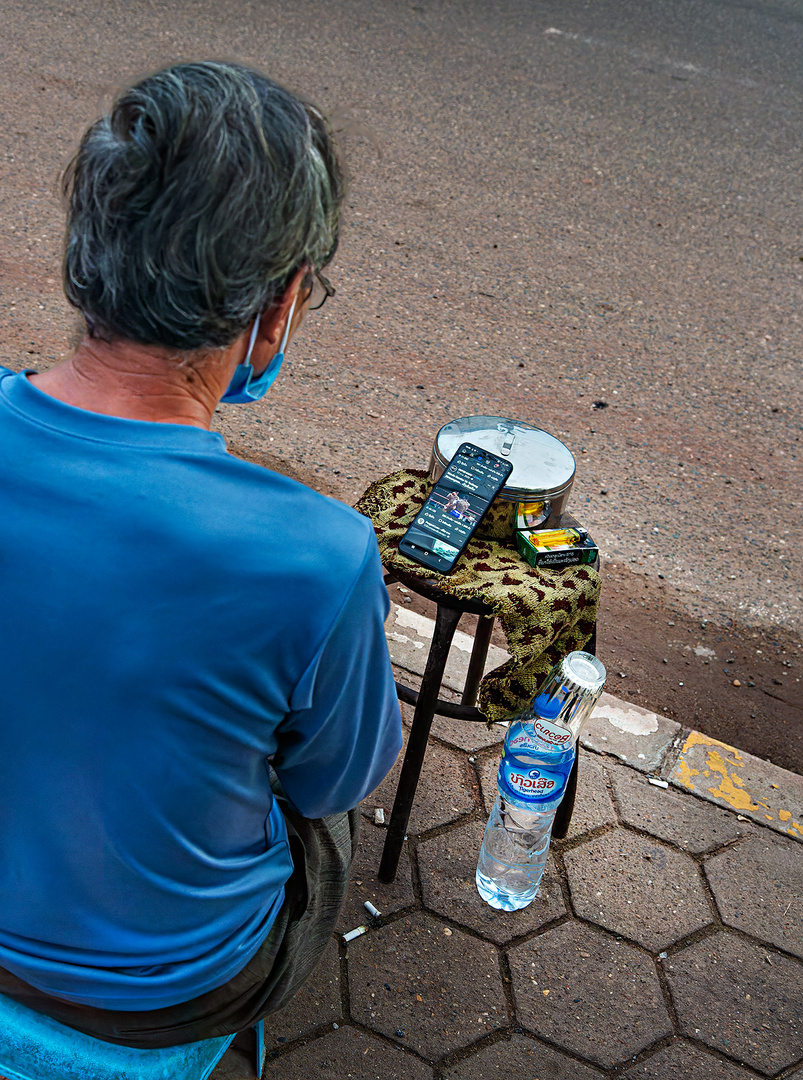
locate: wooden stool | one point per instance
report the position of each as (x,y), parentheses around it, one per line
(427,704)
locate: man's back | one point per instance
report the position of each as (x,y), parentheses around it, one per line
(171,620)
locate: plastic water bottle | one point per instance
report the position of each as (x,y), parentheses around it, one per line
(539,752)
(532,779)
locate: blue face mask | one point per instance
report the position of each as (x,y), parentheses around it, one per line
(245,386)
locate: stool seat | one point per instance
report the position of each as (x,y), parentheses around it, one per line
(35,1047)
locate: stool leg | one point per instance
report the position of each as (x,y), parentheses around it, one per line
(476,665)
(445,625)
(563,815)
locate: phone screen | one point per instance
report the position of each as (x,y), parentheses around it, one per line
(455,507)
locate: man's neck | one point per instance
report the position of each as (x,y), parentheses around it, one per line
(140,382)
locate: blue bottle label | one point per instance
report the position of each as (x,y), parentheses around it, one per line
(530,783)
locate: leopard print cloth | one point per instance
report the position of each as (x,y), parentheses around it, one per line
(544,614)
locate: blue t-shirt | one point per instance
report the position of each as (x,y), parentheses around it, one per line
(171,617)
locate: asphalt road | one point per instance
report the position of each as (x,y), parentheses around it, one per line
(583,215)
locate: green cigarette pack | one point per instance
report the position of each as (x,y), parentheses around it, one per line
(556,548)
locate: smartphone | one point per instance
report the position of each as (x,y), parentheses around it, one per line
(455,507)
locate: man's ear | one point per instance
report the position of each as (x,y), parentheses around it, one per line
(274,320)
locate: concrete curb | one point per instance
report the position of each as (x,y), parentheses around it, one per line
(644,740)
(696,762)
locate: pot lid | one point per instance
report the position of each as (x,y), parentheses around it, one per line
(541,463)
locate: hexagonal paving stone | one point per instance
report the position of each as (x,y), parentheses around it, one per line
(461,734)
(447,866)
(346,1052)
(637,888)
(467,736)
(730,997)
(316,1003)
(364,884)
(440,987)
(592,806)
(522,1057)
(683,1062)
(589,994)
(488,767)
(758,887)
(447,789)
(681,819)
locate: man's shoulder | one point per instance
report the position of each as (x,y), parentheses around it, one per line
(269,486)
(300,518)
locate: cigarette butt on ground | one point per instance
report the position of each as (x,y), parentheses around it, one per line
(352,934)
(369,907)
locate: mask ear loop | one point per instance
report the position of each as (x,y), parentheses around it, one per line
(252,339)
(286,333)
(255,331)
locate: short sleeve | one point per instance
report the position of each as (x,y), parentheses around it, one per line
(344,731)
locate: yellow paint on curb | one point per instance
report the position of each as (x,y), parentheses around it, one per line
(724,761)
(730,784)
(686,774)
(696,738)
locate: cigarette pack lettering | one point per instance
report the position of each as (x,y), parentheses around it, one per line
(556,547)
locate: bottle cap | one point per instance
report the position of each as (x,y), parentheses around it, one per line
(571,690)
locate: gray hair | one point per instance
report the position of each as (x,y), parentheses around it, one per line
(193,203)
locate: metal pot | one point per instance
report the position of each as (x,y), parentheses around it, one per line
(543,469)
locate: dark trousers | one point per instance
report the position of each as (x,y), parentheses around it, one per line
(322,851)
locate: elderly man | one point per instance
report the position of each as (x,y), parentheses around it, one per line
(196,691)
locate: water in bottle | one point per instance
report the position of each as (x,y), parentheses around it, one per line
(532,779)
(536,762)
